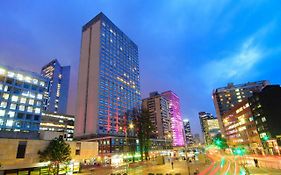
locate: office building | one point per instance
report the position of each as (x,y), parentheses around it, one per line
(158,108)
(187,132)
(266,109)
(21,99)
(57,94)
(227,97)
(203,117)
(212,129)
(54,125)
(197,139)
(240,128)
(176,118)
(108,83)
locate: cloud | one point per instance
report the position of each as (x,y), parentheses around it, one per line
(238,63)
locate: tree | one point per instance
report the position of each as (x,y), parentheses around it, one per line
(57,152)
(144,128)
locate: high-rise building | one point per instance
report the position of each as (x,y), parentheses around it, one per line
(197,139)
(158,108)
(59,124)
(240,128)
(266,109)
(57,96)
(203,117)
(176,118)
(21,102)
(226,97)
(108,83)
(187,132)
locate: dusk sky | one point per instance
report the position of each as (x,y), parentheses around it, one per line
(188,46)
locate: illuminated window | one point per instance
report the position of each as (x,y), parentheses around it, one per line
(1,86)
(2,113)
(15,98)
(9,123)
(3,104)
(27,79)
(21,107)
(39,96)
(13,106)
(263,119)
(35,81)
(29,109)
(11,114)
(31,102)
(42,83)
(6,96)
(37,110)
(23,100)
(2,71)
(11,74)
(20,77)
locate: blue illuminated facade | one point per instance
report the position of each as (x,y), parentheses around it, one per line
(56,99)
(21,100)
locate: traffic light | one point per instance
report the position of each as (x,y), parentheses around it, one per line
(265,138)
(240,151)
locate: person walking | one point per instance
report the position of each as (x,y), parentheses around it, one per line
(172,163)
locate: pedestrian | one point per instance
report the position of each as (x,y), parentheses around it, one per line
(172,165)
(256,163)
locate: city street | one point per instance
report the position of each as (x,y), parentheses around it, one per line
(220,165)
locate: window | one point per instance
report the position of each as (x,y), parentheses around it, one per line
(31,101)
(20,115)
(9,123)
(23,100)
(37,110)
(36,117)
(263,119)
(6,96)
(11,114)
(2,113)
(78,148)
(29,109)
(3,104)
(40,96)
(15,98)
(21,149)
(21,107)
(13,106)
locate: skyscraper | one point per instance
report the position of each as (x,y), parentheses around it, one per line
(158,108)
(187,132)
(21,102)
(176,118)
(226,97)
(57,94)
(108,83)
(209,125)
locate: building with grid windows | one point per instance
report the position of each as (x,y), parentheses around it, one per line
(158,108)
(56,98)
(209,126)
(108,83)
(176,118)
(227,97)
(187,132)
(21,99)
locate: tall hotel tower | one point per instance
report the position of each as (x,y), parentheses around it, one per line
(108,83)
(176,118)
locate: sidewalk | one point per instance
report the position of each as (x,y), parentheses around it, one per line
(263,171)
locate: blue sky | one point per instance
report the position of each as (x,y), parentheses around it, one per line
(190,47)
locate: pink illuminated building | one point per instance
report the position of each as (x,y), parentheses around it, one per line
(176,118)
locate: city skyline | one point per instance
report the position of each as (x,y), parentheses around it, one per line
(188,58)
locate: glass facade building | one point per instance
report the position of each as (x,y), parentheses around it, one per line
(57,96)
(21,99)
(108,83)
